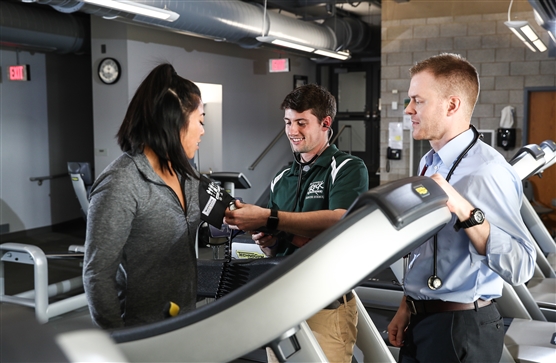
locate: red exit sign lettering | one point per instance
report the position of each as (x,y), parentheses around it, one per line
(279,65)
(19,73)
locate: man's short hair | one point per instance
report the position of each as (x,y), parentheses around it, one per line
(456,75)
(311,97)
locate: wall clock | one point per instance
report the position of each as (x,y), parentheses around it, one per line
(109,70)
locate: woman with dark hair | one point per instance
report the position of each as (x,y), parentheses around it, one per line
(144,208)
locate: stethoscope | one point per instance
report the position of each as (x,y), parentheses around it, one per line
(306,165)
(434,282)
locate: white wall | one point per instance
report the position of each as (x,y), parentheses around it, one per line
(209,156)
(30,114)
(23,145)
(251,96)
(109,101)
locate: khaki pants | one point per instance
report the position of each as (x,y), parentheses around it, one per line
(335,330)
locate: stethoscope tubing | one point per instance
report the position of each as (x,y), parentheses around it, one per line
(434,282)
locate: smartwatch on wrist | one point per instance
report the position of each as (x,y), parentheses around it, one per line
(272,221)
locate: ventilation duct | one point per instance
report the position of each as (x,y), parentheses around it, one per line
(39,29)
(545,14)
(236,22)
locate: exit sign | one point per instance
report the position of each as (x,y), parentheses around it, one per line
(19,72)
(279,65)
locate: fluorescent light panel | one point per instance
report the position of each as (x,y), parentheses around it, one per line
(305,48)
(331,54)
(136,8)
(527,35)
(285,43)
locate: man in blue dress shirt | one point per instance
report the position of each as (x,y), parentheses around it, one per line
(447,314)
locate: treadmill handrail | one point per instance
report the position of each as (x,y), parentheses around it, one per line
(525,154)
(369,202)
(328,270)
(145,331)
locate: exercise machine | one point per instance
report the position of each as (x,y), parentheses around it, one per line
(39,297)
(529,334)
(82,179)
(403,214)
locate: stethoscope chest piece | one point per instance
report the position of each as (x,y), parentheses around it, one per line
(434,282)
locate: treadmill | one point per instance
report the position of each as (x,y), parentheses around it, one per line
(529,337)
(546,242)
(381,226)
(406,213)
(541,289)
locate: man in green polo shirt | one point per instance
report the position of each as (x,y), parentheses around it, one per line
(305,199)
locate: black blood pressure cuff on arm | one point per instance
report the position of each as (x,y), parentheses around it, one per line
(213,201)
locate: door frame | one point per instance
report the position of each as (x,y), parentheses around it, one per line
(526,93)
(327,73)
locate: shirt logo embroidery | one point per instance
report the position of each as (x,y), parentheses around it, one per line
(316,190)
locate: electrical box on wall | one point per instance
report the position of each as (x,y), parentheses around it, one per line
(393,154)
(506,138)
(395,141)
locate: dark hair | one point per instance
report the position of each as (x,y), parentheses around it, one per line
(156,115)
(455,75)
(311,97)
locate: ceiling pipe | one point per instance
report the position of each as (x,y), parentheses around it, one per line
(232,21)
(41,30)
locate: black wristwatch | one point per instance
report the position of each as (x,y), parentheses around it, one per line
(272,221)
(477,217)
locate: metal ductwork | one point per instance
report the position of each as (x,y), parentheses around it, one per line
(233,21)
(39,29)
(545,15)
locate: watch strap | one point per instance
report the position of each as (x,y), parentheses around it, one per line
(467,223)
(471,221)
(272,221)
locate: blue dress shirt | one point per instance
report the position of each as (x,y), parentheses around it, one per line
(490,183)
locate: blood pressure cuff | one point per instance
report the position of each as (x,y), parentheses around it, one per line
(213,201)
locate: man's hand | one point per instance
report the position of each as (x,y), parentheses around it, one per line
(247,217)
(265,241)
(461,207)
(398,325)
(456,203)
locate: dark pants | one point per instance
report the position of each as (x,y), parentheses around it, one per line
(459,336)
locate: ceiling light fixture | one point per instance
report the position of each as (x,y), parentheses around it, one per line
(525,33)
(342,55)
(285,43)
(338,55)
(136,8)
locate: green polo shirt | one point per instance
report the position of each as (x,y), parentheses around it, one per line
(334,181)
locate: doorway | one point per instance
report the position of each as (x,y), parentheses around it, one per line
(356,87)
(540,125)
(210,154)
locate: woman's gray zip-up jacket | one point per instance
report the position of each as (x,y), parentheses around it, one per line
(140,245)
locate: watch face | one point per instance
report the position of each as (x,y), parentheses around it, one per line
(479,216)
(109,70)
